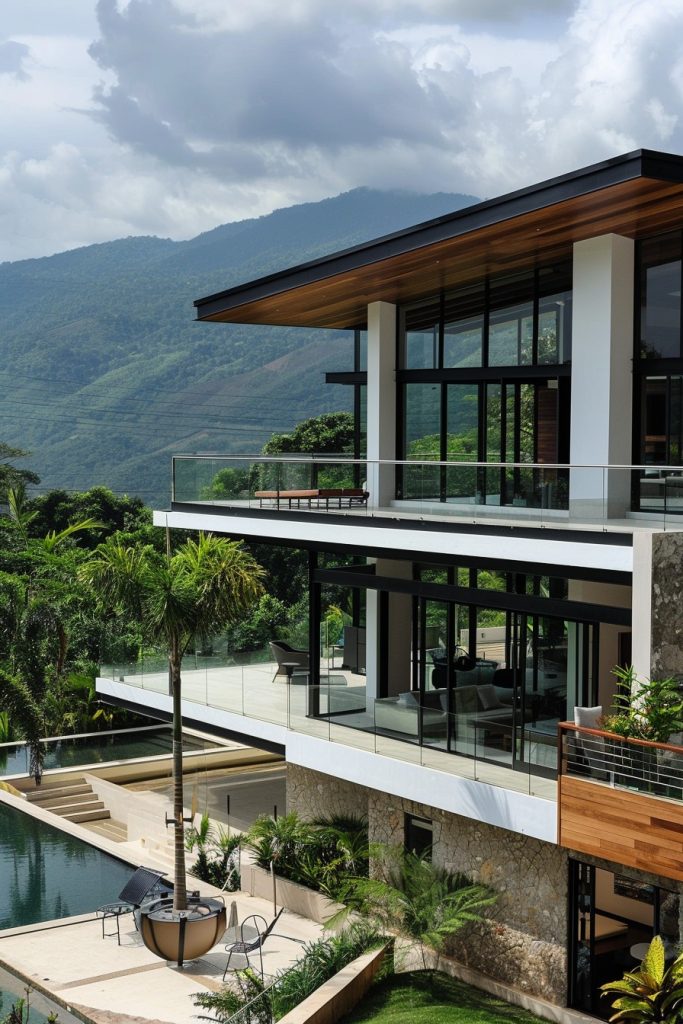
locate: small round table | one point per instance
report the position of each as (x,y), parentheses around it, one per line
(115,911)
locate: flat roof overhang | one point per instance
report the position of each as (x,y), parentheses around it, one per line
(635,195)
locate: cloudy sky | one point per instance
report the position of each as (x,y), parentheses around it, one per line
(168,117)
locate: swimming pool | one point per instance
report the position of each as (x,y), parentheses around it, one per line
(47,874)
(12,989)
(96,748)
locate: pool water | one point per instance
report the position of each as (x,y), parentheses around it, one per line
(115,746)
(12,989)
(47,874)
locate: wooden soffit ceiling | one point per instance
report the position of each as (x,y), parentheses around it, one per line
(528,228)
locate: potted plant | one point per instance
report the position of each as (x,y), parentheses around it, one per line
(179,597)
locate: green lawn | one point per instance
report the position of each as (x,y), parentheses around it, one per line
(429,997)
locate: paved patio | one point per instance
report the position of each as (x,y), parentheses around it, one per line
(69,960)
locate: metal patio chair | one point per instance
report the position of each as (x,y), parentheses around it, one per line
(246,946)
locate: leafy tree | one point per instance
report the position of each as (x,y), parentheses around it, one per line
(189,594)
(10,476)
(328,434)
(650,993)
(57,510)
(267,621)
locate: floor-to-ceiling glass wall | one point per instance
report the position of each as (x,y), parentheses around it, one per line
(613,918)
(658,378)
(480,662)
(484,377)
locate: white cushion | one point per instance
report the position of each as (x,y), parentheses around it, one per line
(589,718)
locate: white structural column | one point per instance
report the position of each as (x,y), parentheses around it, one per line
(641,609)
(602,353)
(381,403)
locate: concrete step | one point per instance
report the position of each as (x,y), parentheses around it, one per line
(54,802)
(87,815)
(76,806)
(110,829)
(47,783)
(44,794)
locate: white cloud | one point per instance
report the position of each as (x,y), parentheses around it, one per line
(187,113)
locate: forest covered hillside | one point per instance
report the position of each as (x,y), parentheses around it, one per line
(105,374)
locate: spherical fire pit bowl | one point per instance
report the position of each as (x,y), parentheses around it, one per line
(179,935)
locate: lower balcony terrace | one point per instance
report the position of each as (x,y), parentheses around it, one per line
(478,746)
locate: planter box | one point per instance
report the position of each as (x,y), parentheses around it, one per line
(297,898)
(338,996)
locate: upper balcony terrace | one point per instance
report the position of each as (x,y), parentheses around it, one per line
(608,498)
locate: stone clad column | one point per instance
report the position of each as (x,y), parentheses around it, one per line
(602,376)
(381,401)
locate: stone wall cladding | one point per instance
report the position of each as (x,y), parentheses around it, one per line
(523,940)
(314,795)
(667,605)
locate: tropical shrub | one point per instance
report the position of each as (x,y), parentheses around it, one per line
(645,709)
(322,854)
(321,960)
(217,854)
(650,993)
(415,898)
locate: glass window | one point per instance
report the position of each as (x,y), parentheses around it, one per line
(422,432)
(421,336)
(462,439)
(511,321)
(555,328)
(511,335)
(654,439)
(363,410)
(660,288)
(362,356)
(463,332)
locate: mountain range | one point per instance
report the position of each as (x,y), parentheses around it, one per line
(105,374)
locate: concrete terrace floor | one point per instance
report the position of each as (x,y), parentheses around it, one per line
(69,960)
(253,692)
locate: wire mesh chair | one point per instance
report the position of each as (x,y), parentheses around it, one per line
(246,946)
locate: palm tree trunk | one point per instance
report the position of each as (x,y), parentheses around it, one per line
(179,888)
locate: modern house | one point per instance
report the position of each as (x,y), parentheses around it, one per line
(511,529)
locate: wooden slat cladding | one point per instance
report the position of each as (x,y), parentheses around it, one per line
(634,208)
(628,828)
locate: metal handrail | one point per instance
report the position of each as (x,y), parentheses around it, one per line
(622,762)
(431,463)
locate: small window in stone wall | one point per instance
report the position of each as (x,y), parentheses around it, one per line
(418,835)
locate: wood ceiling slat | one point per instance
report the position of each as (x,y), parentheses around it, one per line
(634,208)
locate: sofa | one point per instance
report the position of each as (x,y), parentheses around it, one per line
(471,705)
(401,714)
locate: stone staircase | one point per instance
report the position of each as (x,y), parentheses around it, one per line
(74,801)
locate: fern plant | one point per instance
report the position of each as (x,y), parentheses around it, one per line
(417,899)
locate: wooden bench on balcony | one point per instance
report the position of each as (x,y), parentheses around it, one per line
(317,497)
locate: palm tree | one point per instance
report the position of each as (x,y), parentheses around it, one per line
(28,712)
(181,597)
